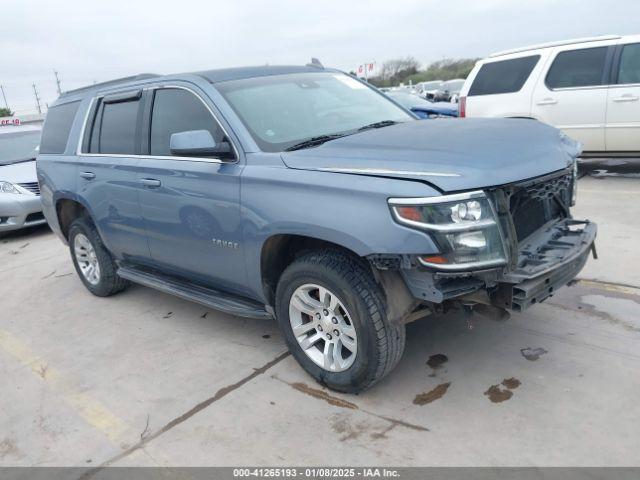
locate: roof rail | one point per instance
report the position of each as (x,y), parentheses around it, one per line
(109,83)
(556,44)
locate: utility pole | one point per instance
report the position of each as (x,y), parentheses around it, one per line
(57,81)
(6,104)
(35,92)
(366,68)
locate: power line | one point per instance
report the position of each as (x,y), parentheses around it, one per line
(35,92)
(57,82)
(6,104)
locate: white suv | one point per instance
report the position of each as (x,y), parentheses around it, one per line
(589,88)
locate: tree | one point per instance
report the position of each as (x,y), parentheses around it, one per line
(405,70)
(445,69)
(5,112)
(396,69)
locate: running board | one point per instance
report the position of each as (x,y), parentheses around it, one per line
(208,297)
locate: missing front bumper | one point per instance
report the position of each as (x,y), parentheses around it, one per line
(548,261)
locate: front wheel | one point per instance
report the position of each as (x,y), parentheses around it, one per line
(332,315)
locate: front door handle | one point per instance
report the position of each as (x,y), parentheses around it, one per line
(627,97)
(150,182)
(88,175)
(547,101)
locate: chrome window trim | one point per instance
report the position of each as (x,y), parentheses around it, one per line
(80,153)
(624,85)
(584,87)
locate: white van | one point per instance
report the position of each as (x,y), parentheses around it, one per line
(589,88)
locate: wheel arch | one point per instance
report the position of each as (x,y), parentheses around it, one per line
(280,250)
(67,210)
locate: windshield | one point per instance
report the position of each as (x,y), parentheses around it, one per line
(18,146)
(283,110)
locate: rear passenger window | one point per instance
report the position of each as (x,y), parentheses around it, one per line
(629,71)
(577,68)
(176,110)
(114,129)
(57,127)
(506,76)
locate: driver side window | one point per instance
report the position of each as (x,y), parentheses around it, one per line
(176,110)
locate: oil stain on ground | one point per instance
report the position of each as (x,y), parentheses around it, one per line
(322,395)
(532,354)
(431,395)
(497,394)
(435,362)
(511,383)
(338,402)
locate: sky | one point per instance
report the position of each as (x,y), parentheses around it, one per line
(89,40)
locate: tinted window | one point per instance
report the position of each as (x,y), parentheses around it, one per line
(116,128)
(57,127)
(506,76)
(577,68)
(629,71)
(176,110)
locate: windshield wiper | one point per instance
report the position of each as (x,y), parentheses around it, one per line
(314,141)
(383,123)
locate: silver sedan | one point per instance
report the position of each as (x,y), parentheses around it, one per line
(19,191)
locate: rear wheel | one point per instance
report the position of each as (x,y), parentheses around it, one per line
(93,262)
(332,315)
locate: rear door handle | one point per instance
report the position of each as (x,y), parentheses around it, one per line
(627,97)
(88,175)
(547,101)
(150,182)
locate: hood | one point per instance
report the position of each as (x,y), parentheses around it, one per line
(24,172)
(451,154)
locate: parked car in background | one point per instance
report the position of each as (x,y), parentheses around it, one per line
(427,90)
(304,194)
(423,108)
(589,88)
(19,192)
(449,91)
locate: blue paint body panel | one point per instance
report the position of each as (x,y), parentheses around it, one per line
(335,192)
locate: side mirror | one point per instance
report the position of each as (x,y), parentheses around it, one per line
(196,143)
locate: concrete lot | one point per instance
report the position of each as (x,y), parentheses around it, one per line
(147,379)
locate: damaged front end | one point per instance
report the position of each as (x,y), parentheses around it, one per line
(509,246)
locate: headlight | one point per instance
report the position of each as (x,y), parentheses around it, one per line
(463,226)
(8,187)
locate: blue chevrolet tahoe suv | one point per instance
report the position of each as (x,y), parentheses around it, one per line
(304,194)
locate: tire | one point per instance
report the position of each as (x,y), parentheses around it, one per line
(107,281)
(379,343)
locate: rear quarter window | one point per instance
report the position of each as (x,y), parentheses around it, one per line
(57,127)
(505,76)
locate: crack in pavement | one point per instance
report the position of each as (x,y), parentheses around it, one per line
(221,393)
(339,402)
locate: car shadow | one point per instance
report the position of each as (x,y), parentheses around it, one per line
(27,232)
